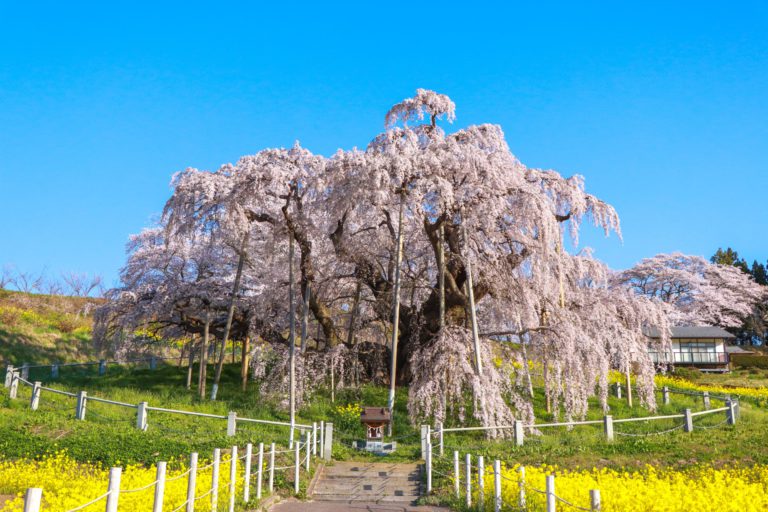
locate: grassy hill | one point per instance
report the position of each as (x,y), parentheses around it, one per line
(45,328)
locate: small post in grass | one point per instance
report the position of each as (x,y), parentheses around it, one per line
(191,482)
(322,439)
(618,390)
(271,468)
(8,375)
(157,504)
(32,499)
(665,395)
(468,485)
(215,479)
(308,443)
(456,476)
(314,439)
(688,421)
(114,489)
(296,466)
(519,433)
(82,402)
(731,412)
(231,423)
(328,450)
(25,371)
(35,400)
(102,367)
(153,363)
(497,485)
(707,403)
(608,427)
(261,471)
(247,476)
(481,482)
(551,501)
(54,371)
(232,478)
(594,500)
(521,485)
(14,385)
(141,416)
(429,468)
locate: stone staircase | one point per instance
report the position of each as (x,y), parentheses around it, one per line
(369,482)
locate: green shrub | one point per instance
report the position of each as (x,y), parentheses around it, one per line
(750,361)
(687,373)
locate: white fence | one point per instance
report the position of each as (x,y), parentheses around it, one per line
(296,460)
(80,409)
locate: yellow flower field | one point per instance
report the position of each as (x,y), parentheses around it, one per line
(67,484)
(761,394)
(698,489)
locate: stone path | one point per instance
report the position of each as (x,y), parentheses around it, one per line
(331,506)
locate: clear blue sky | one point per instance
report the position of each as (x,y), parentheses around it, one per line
(662,106)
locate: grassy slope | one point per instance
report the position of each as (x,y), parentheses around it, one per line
(44,328)
(109,436)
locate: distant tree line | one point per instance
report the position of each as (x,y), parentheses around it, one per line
(754,329)
(75,284)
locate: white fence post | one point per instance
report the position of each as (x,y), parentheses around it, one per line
(308,443)
(322,439)
(141,416)
(521,485)
(192,482)
(82,404)
(594,500)
(664,395)
(519,433)
(618,390)
(8,375)
(439,430)
(424,437)
(261,471)
(731,412)
(102,367)
(688,421)
(707,402)
(429,468)
(608,427)
(54,371)
(231,423)
(247,476)
(14,385)
(271,468)
(481,482)
(32,499)
(215,479)
(296,466)
(232,478)
(468,485)
(314,439)
(157,504)
(34,403)
(25,371)
(551,501)
(114,489)
(497,485)
(456,474)
(328,450)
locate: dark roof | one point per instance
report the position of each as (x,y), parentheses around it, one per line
(735,349)
(375,414)
(703,331)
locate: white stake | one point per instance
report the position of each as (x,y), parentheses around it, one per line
(481,482)
(468,490)
(32,499)
(429,468)
(271,468)
(551,501)
(456,482)
(261,471)
(594,500)
(114,489)
(232,479)
(192,482)
(521,484)
(157,505)
(247,476)
(497,486)
(297,467)
(215,479)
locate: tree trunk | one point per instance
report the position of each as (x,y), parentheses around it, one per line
(246,357)
(304,318)
(441,275)
(204,357)
(472,313)
(230,314)
(353,316)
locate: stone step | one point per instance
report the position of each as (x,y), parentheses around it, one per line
(353,487)
(345,498)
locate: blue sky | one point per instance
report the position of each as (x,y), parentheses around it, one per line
(663,107)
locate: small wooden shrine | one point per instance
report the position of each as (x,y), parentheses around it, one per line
(375,419)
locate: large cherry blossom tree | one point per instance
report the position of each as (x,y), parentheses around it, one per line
(444,243)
